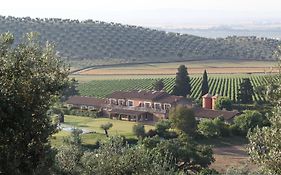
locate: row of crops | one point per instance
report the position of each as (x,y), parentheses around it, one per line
(96,40)
(223,85)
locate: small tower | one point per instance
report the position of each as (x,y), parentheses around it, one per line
(214,99)
(207,101)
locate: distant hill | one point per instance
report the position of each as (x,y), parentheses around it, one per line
(112,42)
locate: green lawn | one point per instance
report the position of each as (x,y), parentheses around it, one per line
(123,128)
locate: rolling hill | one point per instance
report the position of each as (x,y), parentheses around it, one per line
(95,42)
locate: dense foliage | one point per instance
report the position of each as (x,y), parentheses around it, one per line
(183,119)
(205,85)
(182,84)
(103,42)
(30,77)
(246,91)
(265,142)
(227,86)
(248,120)
(158,85)
(223,103)
(265,145)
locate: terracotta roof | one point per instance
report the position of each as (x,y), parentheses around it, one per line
(127,112)
(89,101)
(137,94)
(209,113)
(172,99)
(207,95)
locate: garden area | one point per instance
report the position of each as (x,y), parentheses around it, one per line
(93,130)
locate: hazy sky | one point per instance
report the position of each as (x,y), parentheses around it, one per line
(180,13)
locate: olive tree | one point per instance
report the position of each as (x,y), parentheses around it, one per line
(30,76)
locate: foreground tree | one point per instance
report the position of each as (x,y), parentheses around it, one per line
(245,92)
(205,86)
(182,85)
(189,156)
(158,85)
(106,127)
(265,143)
(114,156)
(30,76)
(183,119)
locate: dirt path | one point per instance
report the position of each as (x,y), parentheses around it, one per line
(229,156)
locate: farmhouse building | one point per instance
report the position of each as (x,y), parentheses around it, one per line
(141,105)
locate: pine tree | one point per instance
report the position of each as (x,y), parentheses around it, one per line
(245,92)
(205,86)
(182,86)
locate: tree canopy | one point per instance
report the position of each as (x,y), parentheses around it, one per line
(30,76)
(158,85)
(246,92)
(183,119)
(223,103)
(205,86)
(182,85)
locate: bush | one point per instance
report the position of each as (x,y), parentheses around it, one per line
(248,120)
(208,128)
(139,130)
(223,103)
(213,128)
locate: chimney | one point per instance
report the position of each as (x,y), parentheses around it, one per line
(207,101)
(214,99)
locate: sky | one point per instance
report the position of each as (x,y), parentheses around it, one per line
(153,13)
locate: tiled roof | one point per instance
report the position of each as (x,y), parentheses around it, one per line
(172,99)
(211,114)
(127,112)
(137,94)
(89,101)
(208,95)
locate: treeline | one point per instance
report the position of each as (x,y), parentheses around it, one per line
(113,42)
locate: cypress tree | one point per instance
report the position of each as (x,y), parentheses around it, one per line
(205,86)
(182,85)
(245,92)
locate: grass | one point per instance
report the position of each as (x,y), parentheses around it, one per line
(123,128)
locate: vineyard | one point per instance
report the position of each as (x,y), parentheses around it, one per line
(223,85)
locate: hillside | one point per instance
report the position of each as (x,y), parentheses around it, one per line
(98,42)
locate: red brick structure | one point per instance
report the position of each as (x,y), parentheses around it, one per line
(207,101)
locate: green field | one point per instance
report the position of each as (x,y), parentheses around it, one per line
(123,128)
(224,85)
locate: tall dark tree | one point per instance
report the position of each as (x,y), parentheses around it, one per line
(30,76)
(158,85)
(205,86)
(245,92)
(182,85)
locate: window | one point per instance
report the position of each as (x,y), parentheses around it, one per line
(130,103)
(121,102)
(167,106)
(147,104)
(113,101)
(157,105)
